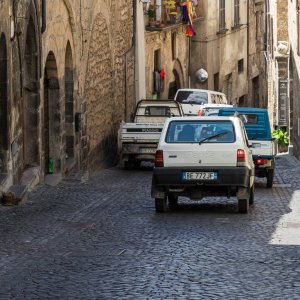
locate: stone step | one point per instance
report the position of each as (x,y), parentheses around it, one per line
(14,195)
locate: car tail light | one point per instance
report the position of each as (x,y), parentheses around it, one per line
(201,112)
(159,158)
(261,161)
(240,157)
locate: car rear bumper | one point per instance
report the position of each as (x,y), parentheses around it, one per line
(171,180)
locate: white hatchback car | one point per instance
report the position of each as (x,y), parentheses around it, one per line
(203,156)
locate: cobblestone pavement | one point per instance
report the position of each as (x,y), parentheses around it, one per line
(100,238)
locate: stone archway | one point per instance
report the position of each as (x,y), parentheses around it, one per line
(3,105)
(69,104)
(52,117)
(31,99)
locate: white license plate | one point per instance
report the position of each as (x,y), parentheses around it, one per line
(148,150)
(199,175)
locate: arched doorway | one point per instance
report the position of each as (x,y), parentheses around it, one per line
(31,99)
(3,105)
(69,104)
(174,85)
(52,117)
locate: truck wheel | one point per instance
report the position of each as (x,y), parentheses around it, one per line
(270,177)
(173,201)
(243,205)
(161,205)
(251,198)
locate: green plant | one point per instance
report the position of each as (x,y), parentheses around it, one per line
(151,12)
(281,136)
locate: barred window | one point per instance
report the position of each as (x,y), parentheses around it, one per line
(236,12)
(222,15)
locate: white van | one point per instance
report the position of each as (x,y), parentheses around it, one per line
(192,100)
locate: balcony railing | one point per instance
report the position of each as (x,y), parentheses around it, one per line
(168,14)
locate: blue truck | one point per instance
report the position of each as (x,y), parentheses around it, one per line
(257,125)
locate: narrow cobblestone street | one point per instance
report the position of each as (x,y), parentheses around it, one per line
(100,238)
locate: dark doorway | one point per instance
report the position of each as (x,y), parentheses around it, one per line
(3,105)
(255,91)
(52,118)
(69,104)
(174,85)
(31,100)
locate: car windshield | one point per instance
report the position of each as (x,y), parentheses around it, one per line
(190,97)
(200,131)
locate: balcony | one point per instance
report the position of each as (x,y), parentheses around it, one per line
(166,17)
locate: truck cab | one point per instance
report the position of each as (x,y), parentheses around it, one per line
(257,126)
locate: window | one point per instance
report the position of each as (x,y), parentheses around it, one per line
(222,15)
(241,65)
(174,52)
(200,131)
(236,12)
(189,97)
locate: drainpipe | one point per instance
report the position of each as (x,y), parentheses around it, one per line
(248,52)
(43,28)
(139,44)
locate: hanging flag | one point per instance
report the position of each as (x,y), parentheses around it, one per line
(187,16)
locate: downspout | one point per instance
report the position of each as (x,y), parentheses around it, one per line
(43,28)
(248,52)
(127,54)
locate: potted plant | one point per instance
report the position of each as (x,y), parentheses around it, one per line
(151,15)
(282,139)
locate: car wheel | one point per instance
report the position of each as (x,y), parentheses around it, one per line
(161,205)
(173,201)
(270,177)
(251,198)
(243,205)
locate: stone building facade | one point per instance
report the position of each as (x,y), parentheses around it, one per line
(66,82)
(220,48)
(167,49)
(294,73)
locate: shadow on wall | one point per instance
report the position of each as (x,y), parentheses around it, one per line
(104,154)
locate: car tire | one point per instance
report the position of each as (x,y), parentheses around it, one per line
(161,205)
(243,205)
(270,177)
(251,198)
(173,201)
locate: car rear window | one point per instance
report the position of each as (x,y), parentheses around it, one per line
(200,131)
(157,111)
(190,97)
(248,118)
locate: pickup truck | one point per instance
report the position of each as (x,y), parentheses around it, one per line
(138,140)
(263,147)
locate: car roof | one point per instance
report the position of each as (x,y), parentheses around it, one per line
(244,109)
(205,118)
(200,90)
(213,105)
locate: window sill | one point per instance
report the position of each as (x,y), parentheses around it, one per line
(222,31)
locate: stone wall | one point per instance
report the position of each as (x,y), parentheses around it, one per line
(69,85)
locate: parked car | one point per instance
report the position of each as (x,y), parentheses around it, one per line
(138,140)
(257,125)
(212,109)
(203,156)
(191,100)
